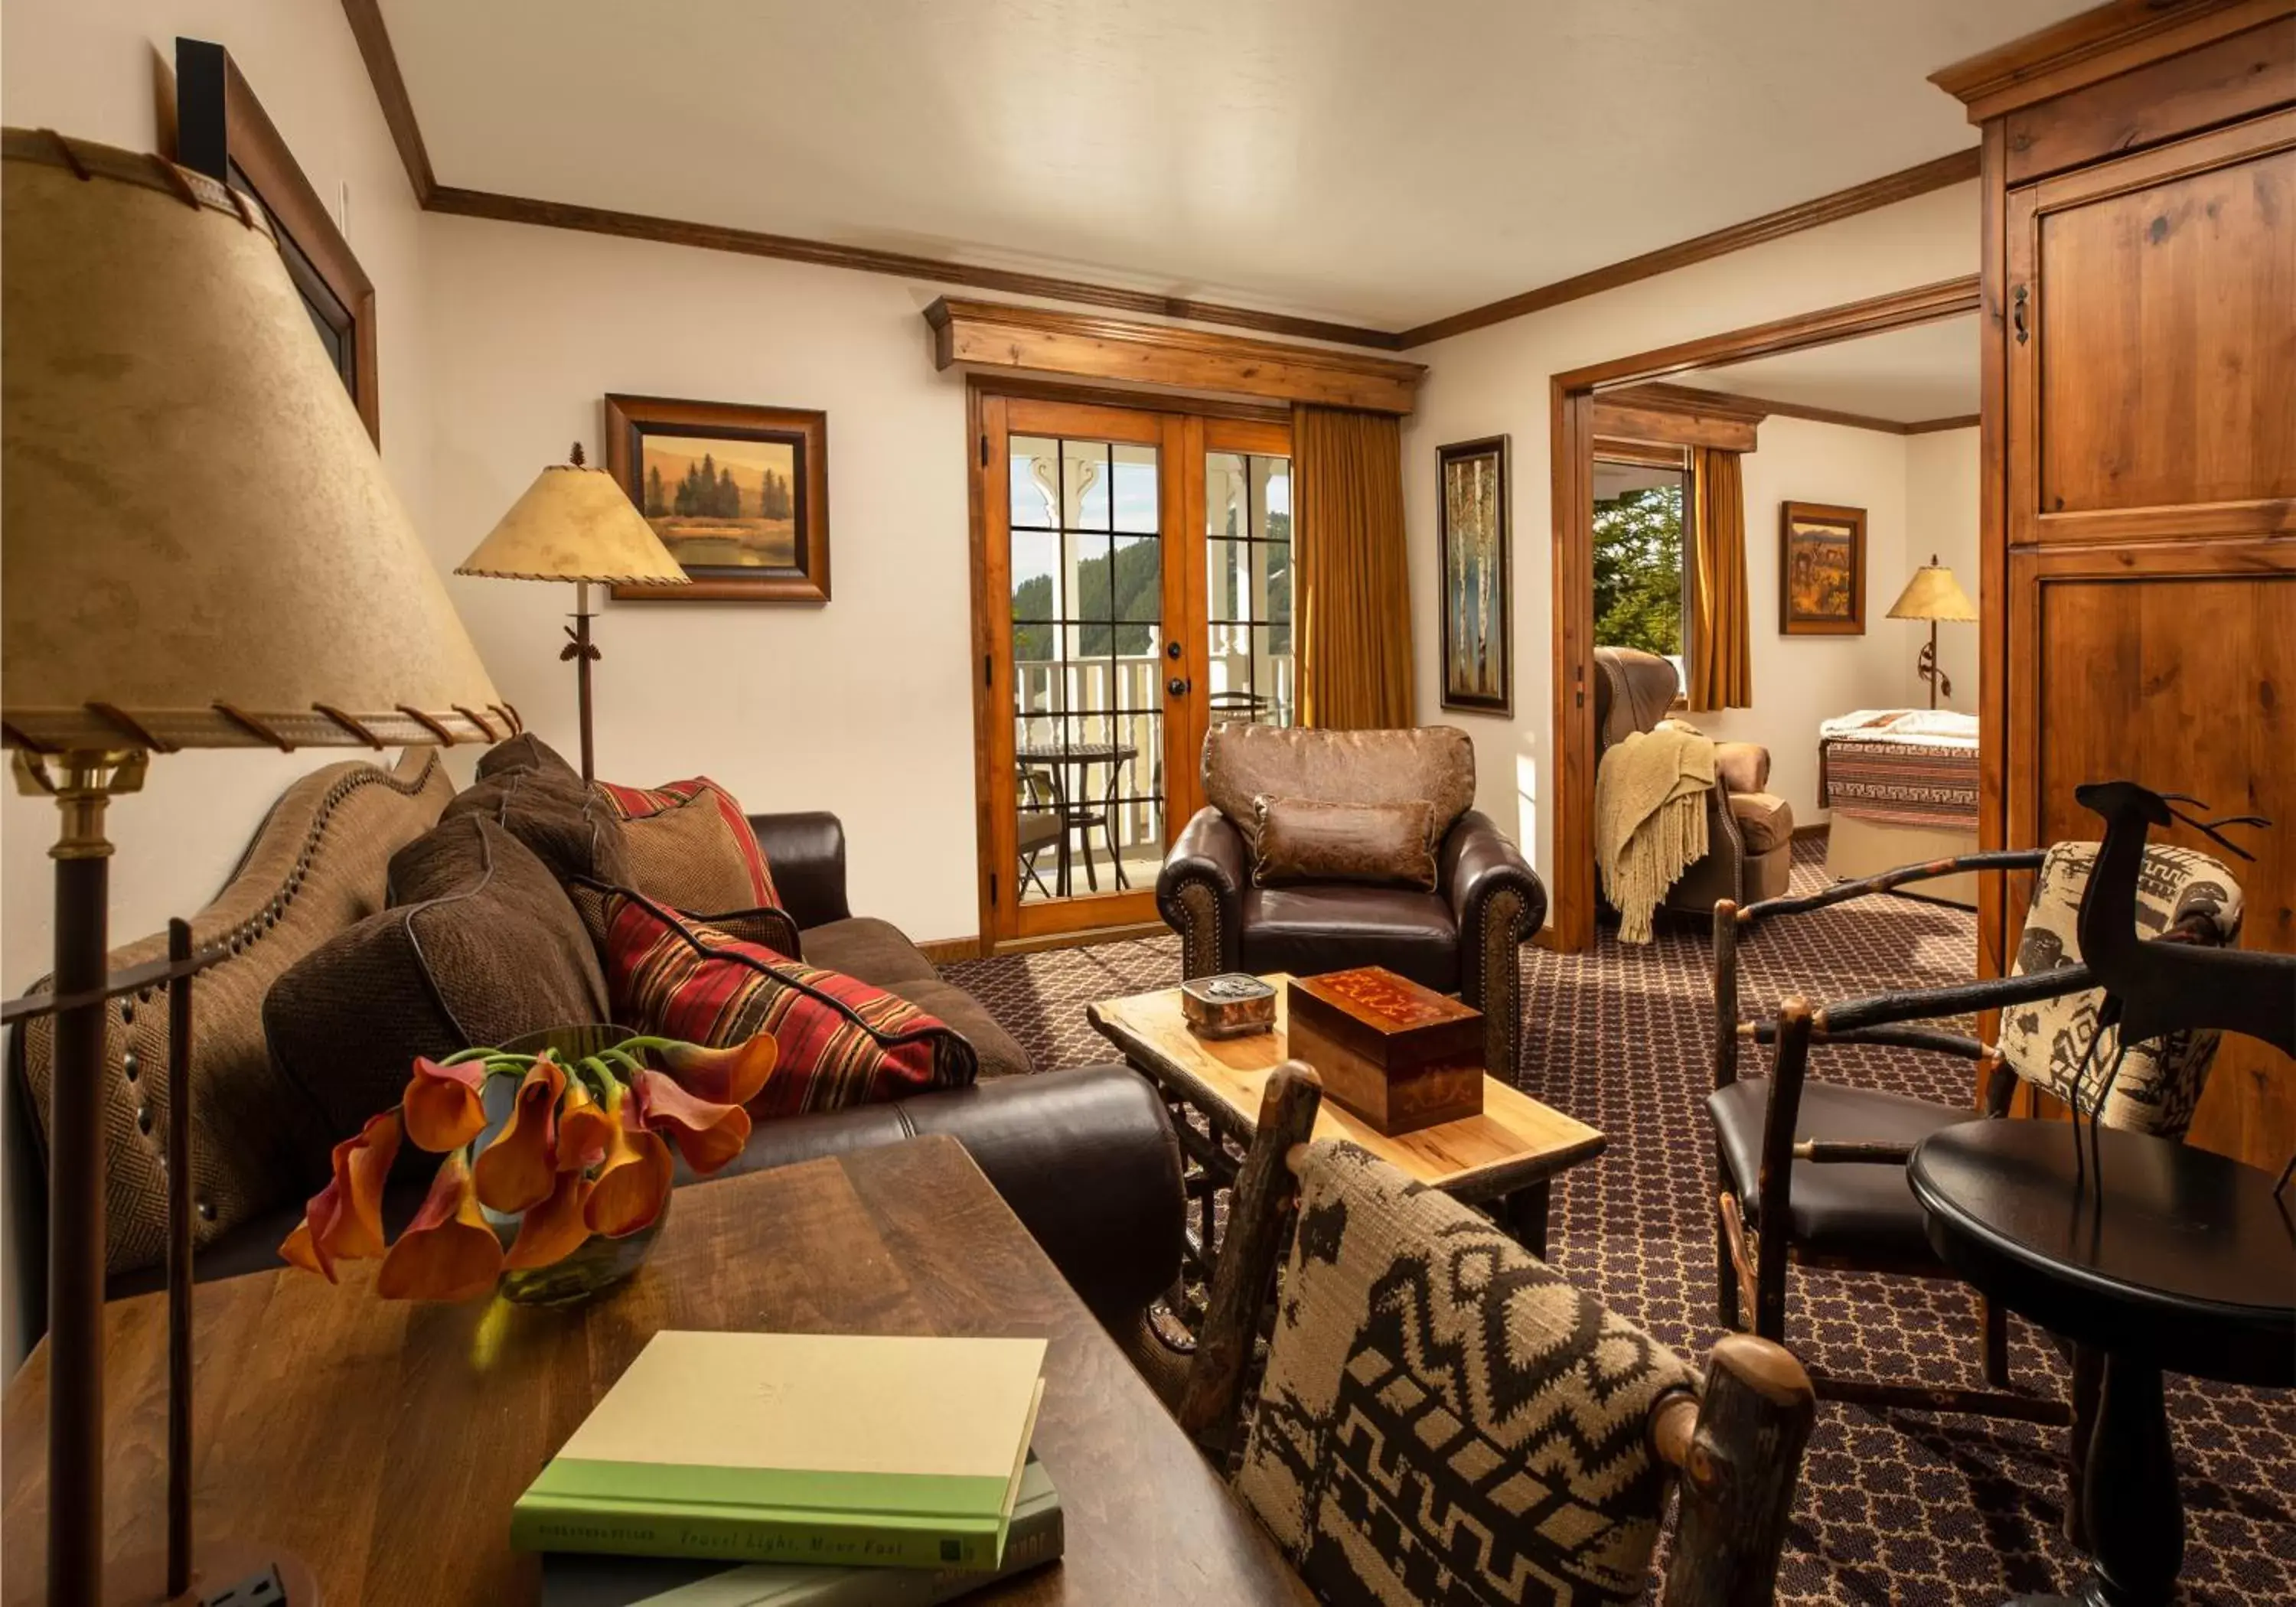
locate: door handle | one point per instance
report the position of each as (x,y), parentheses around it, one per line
(1178,686)
(2017,316)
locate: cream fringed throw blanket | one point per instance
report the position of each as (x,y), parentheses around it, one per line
(1649,818)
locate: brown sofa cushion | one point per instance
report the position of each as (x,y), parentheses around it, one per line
(1433,763)
(690,846)
(548,810)
(482,947)
(1305,840)
(524,751)
(874,950)
(1765,820)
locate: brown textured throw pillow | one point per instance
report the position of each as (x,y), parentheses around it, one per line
(482,947)
(690,846)
(571,829)
(1303,840)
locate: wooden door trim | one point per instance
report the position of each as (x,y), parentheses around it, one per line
(1571,407)
(2165,164)
(1024,388)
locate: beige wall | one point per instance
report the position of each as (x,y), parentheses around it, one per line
(1496,381)
(88,68)
(862,706)
(1941,519)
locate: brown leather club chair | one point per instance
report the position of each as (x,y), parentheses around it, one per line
(1748,831)
(1461,936)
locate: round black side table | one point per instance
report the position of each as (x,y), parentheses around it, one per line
(2161,1257)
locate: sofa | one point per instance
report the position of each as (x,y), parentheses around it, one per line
(1749,830)
(1085,1156)
(1458,933)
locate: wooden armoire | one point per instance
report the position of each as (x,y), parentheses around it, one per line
(2138,455)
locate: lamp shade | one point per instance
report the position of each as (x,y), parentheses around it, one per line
(1933,594)
(575,524)
(200,549)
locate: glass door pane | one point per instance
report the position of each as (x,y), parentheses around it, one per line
(1083,528)
(1248,588)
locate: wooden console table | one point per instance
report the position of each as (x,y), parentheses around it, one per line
(384,1443)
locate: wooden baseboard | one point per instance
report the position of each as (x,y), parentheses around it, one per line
(948,951)
(1075,940)
(1804,834)
(1547,938)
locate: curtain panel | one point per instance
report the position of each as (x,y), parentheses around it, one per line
(1352,610)
(1721,660)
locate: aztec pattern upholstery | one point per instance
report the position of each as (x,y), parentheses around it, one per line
(690,846)
(842,1041)
(1444,1419)
(2159,1082)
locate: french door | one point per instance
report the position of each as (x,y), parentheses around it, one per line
(1133,580)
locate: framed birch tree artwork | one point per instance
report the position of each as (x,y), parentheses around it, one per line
(1477,646)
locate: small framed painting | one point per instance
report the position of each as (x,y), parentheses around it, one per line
(1477,646)
(739,494)
(1821,569)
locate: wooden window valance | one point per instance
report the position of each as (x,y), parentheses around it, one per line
(1676,415)
(987,334)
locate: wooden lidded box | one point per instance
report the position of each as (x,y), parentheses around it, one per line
(1400,1056)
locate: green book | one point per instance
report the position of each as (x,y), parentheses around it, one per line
(1035,1537)
(846,1449)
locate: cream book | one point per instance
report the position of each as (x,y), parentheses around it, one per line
(795,1448)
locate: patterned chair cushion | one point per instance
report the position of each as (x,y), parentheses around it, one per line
(2160,1083)
(1444,1419)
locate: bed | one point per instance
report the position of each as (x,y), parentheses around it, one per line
(1901,786)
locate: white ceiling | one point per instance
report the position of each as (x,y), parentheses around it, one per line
(1928,371)
(1384,161)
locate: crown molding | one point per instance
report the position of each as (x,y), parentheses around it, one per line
(1886,191)
(2094,45)
(1659,395)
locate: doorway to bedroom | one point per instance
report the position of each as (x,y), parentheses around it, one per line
(1735,519)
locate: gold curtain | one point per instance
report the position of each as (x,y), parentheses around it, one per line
(1721,663)
(1352,604)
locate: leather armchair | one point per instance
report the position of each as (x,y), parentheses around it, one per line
(1460,938)
(1748,831)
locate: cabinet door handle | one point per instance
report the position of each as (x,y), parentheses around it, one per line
(2018,319)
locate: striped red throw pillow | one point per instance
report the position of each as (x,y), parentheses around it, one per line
(843,1042)
(691,847)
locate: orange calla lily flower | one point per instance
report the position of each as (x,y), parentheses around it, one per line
(344,1222)
(448,1252)
(443,1104)
(554,1229)
(518,1170)
(706,1135)
(585,1131)
(725,1077)
(632,1184)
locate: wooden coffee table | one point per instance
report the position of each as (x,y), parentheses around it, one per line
(384,1443)
(1506,1157)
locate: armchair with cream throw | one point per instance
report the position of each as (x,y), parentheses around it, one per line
(1748,831)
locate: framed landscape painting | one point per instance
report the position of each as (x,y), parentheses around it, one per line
(1821,569)
(1478,647)
(739,494)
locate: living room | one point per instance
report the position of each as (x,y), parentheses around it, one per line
(951,296)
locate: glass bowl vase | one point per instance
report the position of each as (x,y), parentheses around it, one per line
(598,1264)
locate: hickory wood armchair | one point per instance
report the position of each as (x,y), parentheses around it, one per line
(1555,1492)
(1811,1173)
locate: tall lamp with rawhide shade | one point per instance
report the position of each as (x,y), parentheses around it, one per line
(576,523)
(201,551)
(1933,594)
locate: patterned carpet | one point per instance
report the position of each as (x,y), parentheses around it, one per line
(1898,1507)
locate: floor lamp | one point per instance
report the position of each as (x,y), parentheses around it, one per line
(575,523)
(199,550)
(1933,594)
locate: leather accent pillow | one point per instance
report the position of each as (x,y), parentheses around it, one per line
(1305,840)
(546,807)
(843,1042)
(690,846)
(481,946)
